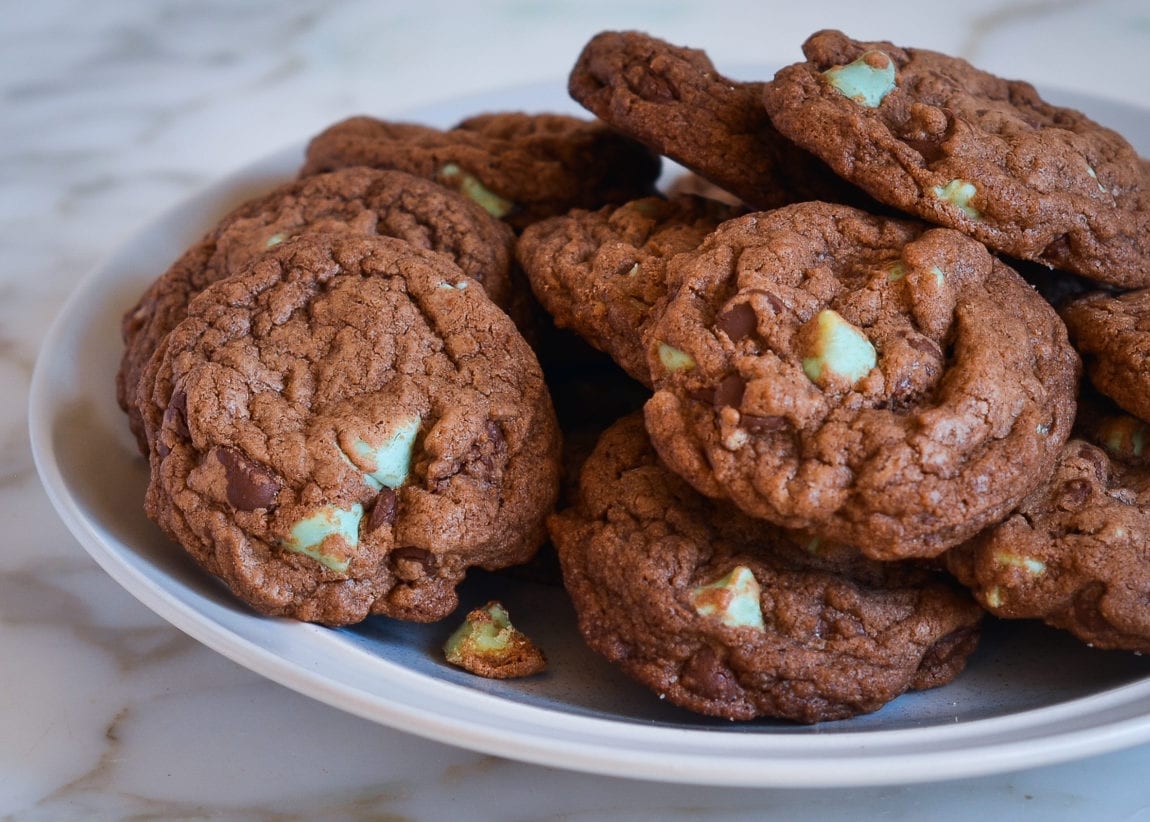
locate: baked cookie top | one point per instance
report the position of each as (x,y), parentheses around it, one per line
(1112,332)
(932,135)
(878,382)
(1074,553)
(600,272)
(673,100)
(357,200)
(729,616)
(344,427)
(520,167)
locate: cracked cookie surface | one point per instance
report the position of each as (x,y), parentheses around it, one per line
(673,100)
(877,382)
(729,616)
(1112,332)
(521,167)
(1076,552)
(600,272)
(344,427)
(357,200)
(934,136)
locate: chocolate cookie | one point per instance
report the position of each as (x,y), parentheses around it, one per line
(344,427)
(726,615)
(1075,552)
(358,200)
(599,272)
(878,382)
(673,100)
(1112,332)
(520,167)
(941,139)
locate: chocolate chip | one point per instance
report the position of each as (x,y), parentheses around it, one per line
(738,321)
(496,449)
(384,510)
(925,345)
(251,485)
(409,563)
(176,414)
(729,392)
(777,305)
(762,425)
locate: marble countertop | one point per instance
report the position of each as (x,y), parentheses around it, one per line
(111,113)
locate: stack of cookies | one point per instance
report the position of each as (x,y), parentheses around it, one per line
(821,399)
(340,416)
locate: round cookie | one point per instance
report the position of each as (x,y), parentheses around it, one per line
(358,200)
(1112,333)
(344,427)
(520,167)
(877,382)
(726,615)
(600,272)
(1076,552)
(933,135)
(673,100)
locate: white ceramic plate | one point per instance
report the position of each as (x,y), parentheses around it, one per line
(1029,697)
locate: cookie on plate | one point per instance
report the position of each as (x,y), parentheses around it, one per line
(878,382)
(344,427)
(1074,553)
(357,200)
(520,167)
(600,272)
(673,100)
(934,136)
(1112,332)
(729,616)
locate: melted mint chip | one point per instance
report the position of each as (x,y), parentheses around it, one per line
(673,359)
(734,599)
(959,193)
(867,81)
(836,349)
(486,632)
(309,535)
(392,459)
(1094,175)
(1124,437)
(1028,564)
(469,186)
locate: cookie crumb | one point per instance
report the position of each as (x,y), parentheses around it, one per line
(487,644)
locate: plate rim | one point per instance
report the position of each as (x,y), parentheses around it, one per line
(867,757)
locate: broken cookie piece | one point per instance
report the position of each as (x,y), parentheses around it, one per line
(487,644)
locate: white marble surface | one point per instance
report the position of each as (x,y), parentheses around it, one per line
(112,112)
